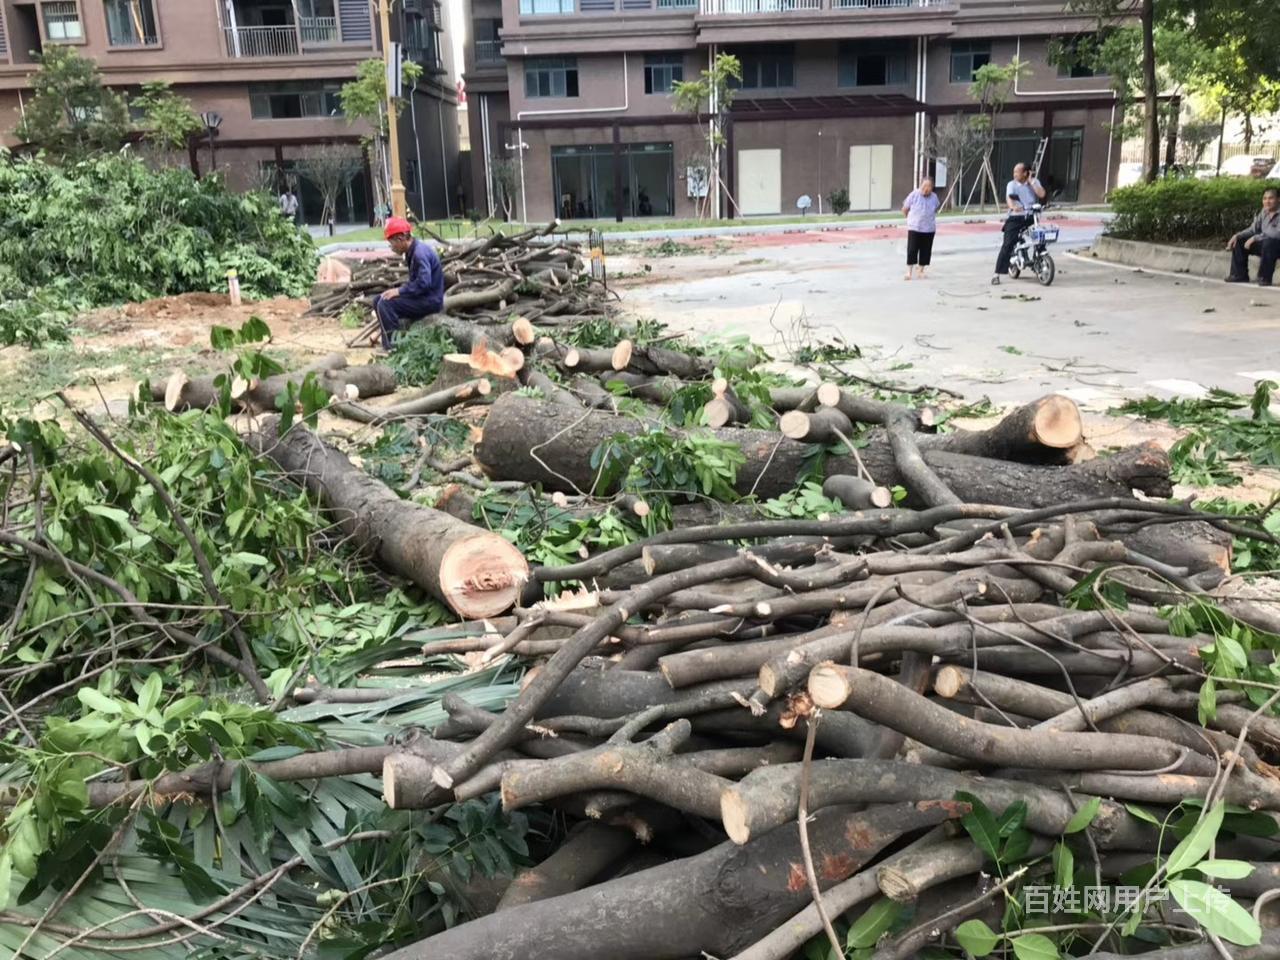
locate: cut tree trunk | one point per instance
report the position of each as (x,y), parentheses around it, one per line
(826,425)
(475,572)
(180,393)
(565,441)
(1045,431)
(716,902)
(856,493)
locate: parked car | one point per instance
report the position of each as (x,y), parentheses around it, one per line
(1244,165)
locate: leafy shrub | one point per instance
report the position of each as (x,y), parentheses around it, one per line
(110,230)
(1186,211)
(839,200)
(418,353)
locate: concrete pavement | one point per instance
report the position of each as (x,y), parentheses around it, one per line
(1098,334)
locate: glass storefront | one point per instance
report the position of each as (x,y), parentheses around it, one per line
(585,182)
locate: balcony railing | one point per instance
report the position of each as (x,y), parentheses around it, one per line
(319,29)
(488,51)
(735,8)
(261,41)
(738,8)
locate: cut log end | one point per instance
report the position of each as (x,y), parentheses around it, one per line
(483,387)
(794,424)
(1057,422)
(896,885)
(828,686)
(621,358)
(718,412)
(733,813)
(482,576)
(523,332)
(719,387)
(949,682)
(572,358)
(828,394)
(173,390)
(240,386)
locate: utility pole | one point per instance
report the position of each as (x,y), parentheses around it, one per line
(393,133)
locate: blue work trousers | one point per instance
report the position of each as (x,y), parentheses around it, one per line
(399,312)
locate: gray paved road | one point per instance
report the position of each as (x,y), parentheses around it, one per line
(1098,333)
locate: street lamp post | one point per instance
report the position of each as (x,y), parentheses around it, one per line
(393,134)
(212,121)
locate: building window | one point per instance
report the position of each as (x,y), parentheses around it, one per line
(131,23)
(1073,57)
(539,7)
(62,22)
(966,57)
(551,77)
(421,41)
(662,71)
(871,66)
(768,68)
(294,100)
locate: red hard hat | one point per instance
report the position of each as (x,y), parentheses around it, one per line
(397,226)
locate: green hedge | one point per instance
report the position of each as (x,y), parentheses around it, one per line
(1187,211)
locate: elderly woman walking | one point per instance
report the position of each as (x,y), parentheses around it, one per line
(921,211)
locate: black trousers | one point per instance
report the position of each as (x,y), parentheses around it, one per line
(1265,248)
(919,248)
(1013,228)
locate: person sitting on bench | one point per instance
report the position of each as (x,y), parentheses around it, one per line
(422,296)
(1260,239)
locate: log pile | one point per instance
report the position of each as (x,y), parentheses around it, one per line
(753,725)
(676,741)
(486,280)
(746,739)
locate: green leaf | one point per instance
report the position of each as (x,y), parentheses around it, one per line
(92,699)
(1142,814)
(1225,869)
(1034,946)
(222,338)
(981,825)
(1014,816)
(254,330)
(1084,816)
(1216,911)
(1064,866)
(976,937)
(1207,709)
(1196,843)
(873,924)
(6,876)
(149,698)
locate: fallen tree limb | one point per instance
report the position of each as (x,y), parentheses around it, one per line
(477,573)
(742,893)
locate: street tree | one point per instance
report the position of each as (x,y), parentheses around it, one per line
(329,168)
(168,121)
(708,100)
(506,178)
(71,115)
(365,99)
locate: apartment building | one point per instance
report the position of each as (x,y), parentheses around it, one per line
(271,71)
(834,93)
